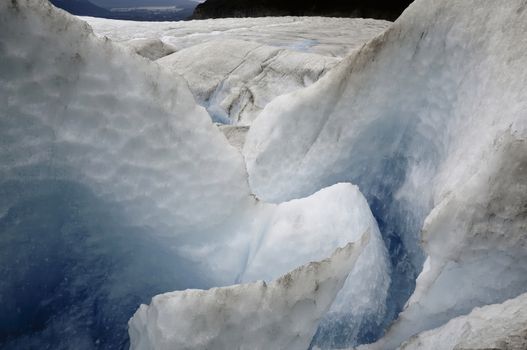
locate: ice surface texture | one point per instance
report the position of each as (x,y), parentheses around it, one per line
(115,186)
(101,155)
(235,67)
(235,79)
(281,315)
(430,115)
(318,35)
(499,326)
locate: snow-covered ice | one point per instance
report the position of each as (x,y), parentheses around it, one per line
(282,314)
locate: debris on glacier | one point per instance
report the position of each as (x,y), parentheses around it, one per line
(282,314)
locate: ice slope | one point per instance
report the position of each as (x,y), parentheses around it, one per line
(235,79)
(499,327)
(325,36)
(429,120)
(282,314)
(115,186)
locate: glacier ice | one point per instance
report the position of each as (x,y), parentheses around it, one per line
(152,49)
(498,326)
(109,170)
(334,37)
(235,67)
(428,119)
(282,314)
(104,159)
(310,228)
(235,79)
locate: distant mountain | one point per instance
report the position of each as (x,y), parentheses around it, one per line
(134,10)
(382,9)
(81,8)
(110,4)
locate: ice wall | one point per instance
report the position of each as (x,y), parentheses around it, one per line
(429,113)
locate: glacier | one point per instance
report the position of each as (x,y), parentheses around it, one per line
(118,190)
(429,120)
(245,63)
(116,186)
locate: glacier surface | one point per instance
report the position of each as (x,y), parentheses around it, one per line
(110,170)
(245,63)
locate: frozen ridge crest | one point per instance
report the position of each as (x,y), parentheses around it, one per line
(282,314)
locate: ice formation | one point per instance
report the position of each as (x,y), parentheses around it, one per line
(429,120)
(499,326)
(110,171)
(282,314)
(235,79)
(102,155)
(116,187)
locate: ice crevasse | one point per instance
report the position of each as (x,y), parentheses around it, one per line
(116,186)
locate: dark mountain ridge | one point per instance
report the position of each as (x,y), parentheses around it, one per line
(81,8)
(381,9)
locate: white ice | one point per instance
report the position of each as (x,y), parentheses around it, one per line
(319,35)
(281,315)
